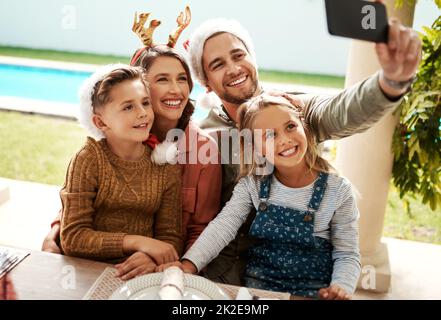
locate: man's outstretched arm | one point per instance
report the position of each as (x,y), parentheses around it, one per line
(358,107)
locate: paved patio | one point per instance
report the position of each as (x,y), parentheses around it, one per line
(26,216)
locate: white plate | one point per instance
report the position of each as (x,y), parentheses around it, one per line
(146,288)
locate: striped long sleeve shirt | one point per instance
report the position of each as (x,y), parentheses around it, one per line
(336,220)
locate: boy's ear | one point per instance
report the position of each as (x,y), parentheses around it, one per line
(99,123)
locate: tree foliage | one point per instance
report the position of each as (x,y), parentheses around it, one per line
(416,143)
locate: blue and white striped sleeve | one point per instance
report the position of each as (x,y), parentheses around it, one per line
(223,229)
(344,237)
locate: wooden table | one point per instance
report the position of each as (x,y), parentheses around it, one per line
(48,276)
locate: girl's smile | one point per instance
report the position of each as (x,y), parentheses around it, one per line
(290,152)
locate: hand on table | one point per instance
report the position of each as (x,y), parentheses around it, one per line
(137,264)
(50,242)
(334,292)
(161,252)
(164,266)
(7,291)
(185,265)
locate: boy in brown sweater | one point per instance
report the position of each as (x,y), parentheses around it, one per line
(117,203)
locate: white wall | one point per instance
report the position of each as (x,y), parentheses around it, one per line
(288,34)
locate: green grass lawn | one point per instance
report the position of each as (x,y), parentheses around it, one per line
(318,80)
(264,75)
(37,148)
(420,224)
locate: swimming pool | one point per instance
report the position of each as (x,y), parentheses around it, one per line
(55,85)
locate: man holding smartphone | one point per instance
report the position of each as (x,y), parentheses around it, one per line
(223,60)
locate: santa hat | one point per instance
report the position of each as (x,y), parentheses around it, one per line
(165,152)
(85,93)
(196,46)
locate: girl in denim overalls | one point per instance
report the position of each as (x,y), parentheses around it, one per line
(306,222)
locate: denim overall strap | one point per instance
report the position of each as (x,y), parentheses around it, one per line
(289,257)
(265,187)
(318,193)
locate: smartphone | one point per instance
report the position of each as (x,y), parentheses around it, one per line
(357,19)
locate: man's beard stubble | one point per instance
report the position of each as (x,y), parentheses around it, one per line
(238,100)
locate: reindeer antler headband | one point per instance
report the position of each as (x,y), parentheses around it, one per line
(183,20)
(146,34)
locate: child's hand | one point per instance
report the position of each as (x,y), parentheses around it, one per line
(185,265)
(49,245)
(137,264)
(294,100)
(162,252)
(334,292)
(50,242)
(164,266)
(7,291)
(189,267)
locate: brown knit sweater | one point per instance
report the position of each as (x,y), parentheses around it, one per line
(105,198)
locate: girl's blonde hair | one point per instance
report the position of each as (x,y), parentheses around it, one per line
(246,115)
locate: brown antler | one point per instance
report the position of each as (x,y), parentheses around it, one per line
(145,34)
(183,21)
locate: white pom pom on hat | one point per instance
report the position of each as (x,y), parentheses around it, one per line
(208,100)
(165,152)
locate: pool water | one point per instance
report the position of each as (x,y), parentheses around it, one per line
(55,85)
